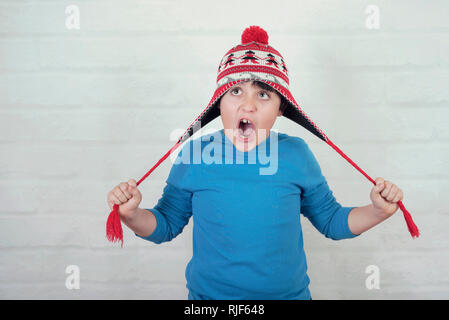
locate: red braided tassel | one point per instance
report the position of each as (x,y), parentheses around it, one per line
(114,231)
(412,228)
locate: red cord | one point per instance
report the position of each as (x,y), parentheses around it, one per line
(412,228)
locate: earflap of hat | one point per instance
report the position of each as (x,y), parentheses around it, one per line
(209,113)
(295,113)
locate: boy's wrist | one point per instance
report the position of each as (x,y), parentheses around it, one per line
(380,214)
(129,217)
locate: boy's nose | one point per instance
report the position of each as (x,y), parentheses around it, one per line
(249,105)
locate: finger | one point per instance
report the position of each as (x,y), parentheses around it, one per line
(393,192)
(133,190)
(398,196)
(119,194)
(113,200)
(385,192)
(110,202)
(386,189)
(379,186)
(132,182)
(379,180)
(125,189)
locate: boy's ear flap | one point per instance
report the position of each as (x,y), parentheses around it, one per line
(217,103)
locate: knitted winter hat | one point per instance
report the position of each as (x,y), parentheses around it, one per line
(252,59)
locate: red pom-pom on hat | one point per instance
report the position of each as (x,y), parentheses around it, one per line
(254,33)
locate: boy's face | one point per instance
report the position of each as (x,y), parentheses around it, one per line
(246,102)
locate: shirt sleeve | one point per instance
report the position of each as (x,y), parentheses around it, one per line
(318,203)
(174,208)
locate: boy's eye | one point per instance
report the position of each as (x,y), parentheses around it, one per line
(234,90)
(266,94)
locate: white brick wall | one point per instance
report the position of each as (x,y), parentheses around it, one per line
(82,110)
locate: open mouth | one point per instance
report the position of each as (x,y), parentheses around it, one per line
(246,129)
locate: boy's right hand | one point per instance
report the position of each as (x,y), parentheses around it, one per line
(127,196)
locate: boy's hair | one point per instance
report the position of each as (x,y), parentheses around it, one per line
(264,86)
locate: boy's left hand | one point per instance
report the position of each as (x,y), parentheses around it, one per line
(385,196)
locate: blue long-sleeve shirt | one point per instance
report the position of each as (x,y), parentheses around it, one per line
(247,236)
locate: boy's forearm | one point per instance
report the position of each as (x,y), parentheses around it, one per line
(143,222)
(361,219)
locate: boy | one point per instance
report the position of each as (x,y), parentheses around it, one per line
(247,237)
